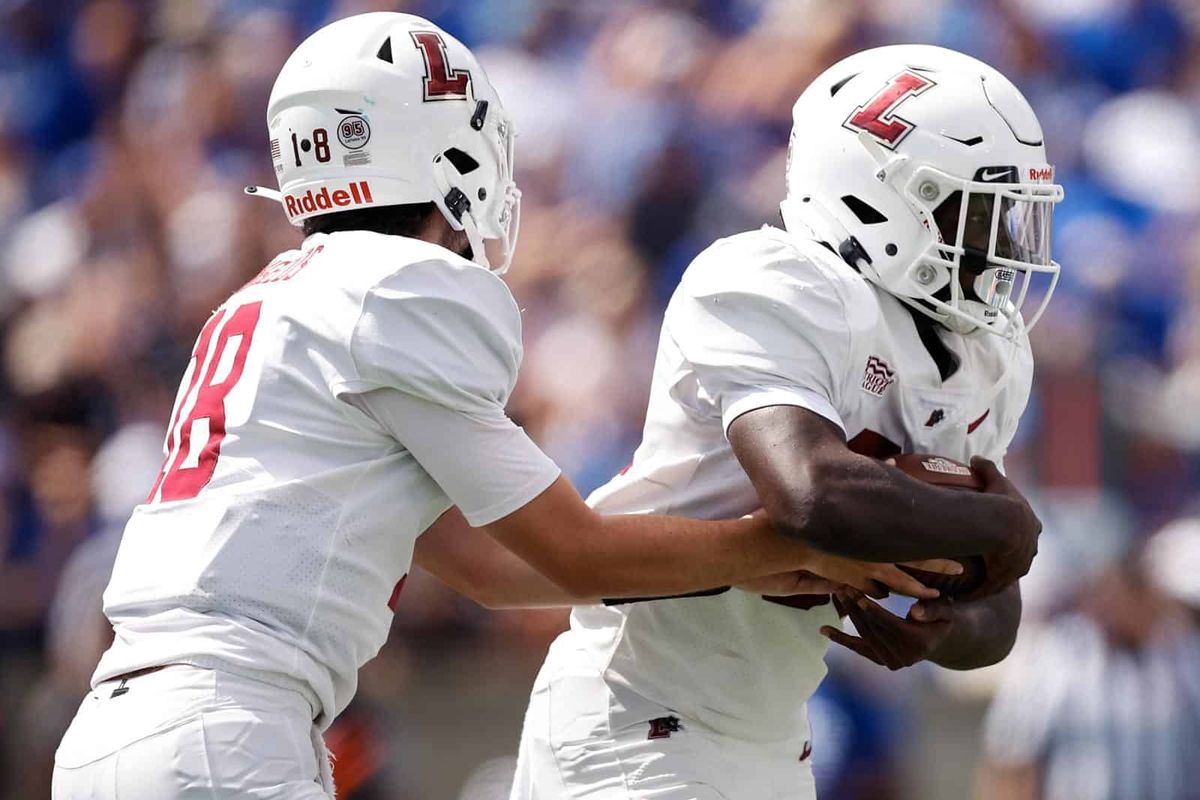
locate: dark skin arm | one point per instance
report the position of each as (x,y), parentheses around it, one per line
(816,489)
(983,631)
(959,636)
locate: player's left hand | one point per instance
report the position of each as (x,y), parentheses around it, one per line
(888,640)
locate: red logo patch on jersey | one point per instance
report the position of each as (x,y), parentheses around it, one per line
(878,376)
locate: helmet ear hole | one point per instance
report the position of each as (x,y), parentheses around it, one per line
(461,161)
(867,214)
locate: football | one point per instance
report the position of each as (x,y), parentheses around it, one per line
(938,470)
(951,474)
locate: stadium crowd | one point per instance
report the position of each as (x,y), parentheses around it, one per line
(647,128)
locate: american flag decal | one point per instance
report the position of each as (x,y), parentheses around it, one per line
(877,377)
(275,154)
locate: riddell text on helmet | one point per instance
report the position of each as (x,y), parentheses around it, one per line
(358,193)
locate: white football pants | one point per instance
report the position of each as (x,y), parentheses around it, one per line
(185,732)
(586,740)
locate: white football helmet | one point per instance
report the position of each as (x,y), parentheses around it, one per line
(387,109)
(919,164)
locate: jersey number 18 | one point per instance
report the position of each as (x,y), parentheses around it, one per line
(194,445)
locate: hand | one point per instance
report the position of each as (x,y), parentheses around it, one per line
(1005,566)
(886,639)
(876,579)
(786,584)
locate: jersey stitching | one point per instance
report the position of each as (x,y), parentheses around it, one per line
(212,778)
(319,594)
(354,331)
(848,371)
(632,609)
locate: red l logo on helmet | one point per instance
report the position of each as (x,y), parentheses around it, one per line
(441,82)
(878,117)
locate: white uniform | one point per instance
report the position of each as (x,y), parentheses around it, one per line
(334,407)
(760,319)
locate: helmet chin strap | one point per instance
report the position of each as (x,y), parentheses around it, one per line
(456,208)
(263,191)
(478,249)
(811,218)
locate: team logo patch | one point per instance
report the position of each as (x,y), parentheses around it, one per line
(945,467)
(878,376)
(663,727)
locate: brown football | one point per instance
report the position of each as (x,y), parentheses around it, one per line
(946,472)
(938,470)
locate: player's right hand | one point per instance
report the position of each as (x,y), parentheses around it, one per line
(877,579)
(1012,560)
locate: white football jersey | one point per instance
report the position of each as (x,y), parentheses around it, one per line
(333,408)
(760,319)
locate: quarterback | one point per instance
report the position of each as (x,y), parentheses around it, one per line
(342,417)
(884,317)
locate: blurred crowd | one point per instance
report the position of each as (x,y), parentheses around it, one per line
(647,128)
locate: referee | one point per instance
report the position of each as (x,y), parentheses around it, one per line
(1102,702)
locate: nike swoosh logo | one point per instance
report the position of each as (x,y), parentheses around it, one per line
(988,175)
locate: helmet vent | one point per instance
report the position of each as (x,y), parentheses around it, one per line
(461,161)
(385,51)
(837,87)
(867,214)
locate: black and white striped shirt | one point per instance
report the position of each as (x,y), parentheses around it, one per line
(1101,723)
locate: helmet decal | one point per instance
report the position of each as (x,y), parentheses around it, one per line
(878,116)
(355,119)
(441,81)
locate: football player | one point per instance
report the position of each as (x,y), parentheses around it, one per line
(333,409)
(885,317)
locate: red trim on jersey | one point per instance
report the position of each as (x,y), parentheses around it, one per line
(971,428)
(395,598)
(873,445)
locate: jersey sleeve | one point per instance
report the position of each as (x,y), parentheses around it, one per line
(764,326)
(447,333)
(484,462)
